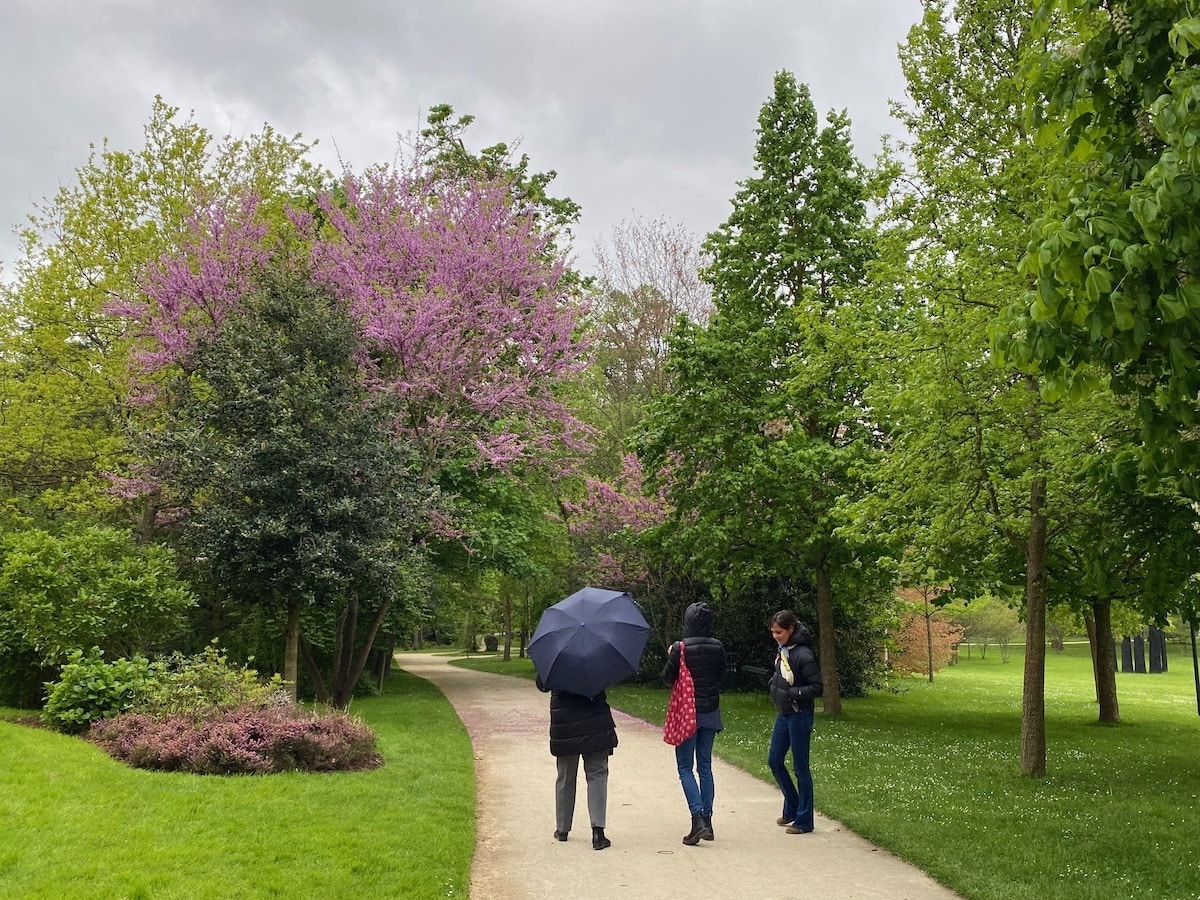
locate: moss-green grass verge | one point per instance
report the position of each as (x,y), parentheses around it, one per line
(79,824)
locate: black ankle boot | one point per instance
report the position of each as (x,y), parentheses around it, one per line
(693,837)
(707,834)
(560,835)
(599,841)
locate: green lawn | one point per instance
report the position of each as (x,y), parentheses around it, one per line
(78,824)
(930,771)
(926,770)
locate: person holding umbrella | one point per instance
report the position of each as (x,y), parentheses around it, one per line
(704,656)
(582,645)
(581,728)
(795,682)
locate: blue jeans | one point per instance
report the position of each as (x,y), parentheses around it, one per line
(793,733)
(699,748)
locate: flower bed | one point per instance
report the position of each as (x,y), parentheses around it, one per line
(248,739)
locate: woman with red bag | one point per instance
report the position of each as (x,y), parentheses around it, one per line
(704,657)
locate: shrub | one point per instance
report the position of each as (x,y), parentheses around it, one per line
(911,643)
(22,674)
(197,685)
(90,587)
(89,689)
(246,740)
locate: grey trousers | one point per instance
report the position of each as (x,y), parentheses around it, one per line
(595,770)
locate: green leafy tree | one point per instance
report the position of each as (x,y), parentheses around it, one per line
(762,430)
(512,546)
(647,277)
(91,587)
(1115,251)
(297,494)
(982,469)
(1131,548)
(442,148)
(986,620)
(63,370)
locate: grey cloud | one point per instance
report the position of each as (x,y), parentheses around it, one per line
(643,106)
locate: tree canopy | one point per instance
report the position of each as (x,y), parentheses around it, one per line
(760,430)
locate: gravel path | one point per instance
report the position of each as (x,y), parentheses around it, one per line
(516,857)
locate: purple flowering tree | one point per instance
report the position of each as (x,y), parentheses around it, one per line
(608,527)
(465,322)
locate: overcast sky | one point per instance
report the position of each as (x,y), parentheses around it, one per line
(643,107)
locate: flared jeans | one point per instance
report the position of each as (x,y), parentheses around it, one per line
(793,732)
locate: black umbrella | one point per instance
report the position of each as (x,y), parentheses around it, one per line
(589,641)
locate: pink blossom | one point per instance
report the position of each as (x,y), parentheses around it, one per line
(465,316)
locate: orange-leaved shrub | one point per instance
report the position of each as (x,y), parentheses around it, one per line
(911,643)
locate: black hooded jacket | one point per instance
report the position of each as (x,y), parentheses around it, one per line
(705,657)
(806,676)
(578,724)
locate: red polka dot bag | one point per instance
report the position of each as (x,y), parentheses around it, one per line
(681,708)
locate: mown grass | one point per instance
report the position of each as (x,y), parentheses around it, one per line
(930,772)
(78,824)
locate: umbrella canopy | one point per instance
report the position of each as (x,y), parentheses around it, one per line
(589,641)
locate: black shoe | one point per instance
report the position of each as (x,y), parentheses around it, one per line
(599,841)
(560,835)
(707,834)
(698,831)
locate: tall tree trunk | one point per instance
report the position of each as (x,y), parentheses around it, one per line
(508,635)
(291,649)
(385,662)
(1033,699)
(524,624)
(831,701)
(928,635)
(314,671)
(1195,661)
(1089,625)
(1105,661)
(147,524)
(359,661)
(351,663)
(343,642)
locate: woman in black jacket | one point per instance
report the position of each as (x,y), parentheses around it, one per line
(794,683)
(581,727)
(705,658)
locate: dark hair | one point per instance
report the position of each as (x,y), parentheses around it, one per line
(785,618)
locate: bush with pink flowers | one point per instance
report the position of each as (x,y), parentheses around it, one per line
(247,739)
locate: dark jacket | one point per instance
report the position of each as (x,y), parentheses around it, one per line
(705,657)
(806,682)
(580,724)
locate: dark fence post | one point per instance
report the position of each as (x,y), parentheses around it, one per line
(1126,654)
(1158,650)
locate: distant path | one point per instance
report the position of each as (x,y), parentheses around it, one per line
(517,858)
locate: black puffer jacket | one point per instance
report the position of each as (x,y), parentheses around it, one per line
(580,724)
(705,657)
(806,676)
